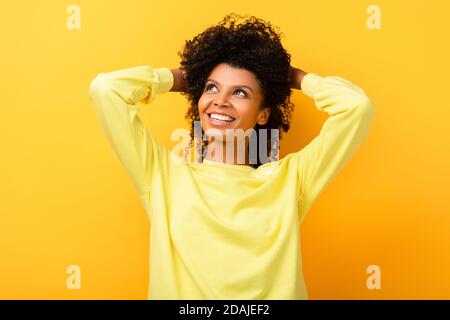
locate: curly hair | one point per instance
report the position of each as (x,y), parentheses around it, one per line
(253,45)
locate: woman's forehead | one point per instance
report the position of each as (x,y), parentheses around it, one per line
(226,75)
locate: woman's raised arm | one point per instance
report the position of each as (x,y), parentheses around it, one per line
(350,115)
(115,96)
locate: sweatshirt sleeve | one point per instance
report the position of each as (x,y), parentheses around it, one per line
(351,113)
(114,96)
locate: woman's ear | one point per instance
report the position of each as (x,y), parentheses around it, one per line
(263,116)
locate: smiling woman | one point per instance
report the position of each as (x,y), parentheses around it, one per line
(238,69)
(229,103)
(222,230)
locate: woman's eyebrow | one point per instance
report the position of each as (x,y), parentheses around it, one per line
(240,86)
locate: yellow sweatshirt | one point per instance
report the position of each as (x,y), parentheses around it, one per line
(218,230)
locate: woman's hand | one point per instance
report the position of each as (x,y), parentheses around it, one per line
(296,77)
(179,83)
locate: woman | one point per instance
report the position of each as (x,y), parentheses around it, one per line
(223,228)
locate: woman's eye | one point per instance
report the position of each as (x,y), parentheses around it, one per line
(238,90)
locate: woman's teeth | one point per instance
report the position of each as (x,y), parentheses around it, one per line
(220,117)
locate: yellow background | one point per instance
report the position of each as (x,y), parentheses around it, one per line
(66,199)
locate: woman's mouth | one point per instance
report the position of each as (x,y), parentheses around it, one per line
(219,119)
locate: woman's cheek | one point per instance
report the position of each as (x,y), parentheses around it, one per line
(202,103)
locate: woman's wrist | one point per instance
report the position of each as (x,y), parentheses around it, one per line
(296,76)
(179,83)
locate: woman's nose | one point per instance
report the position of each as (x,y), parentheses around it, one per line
(221,99)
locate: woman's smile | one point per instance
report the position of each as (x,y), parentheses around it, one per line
(220,120)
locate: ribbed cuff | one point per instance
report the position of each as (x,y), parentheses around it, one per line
(309,83)
(165,79)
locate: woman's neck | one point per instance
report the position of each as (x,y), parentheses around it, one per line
(228,152)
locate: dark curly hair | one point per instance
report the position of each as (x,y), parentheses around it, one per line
(253,45)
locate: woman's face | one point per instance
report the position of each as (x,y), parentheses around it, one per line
(233,96)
